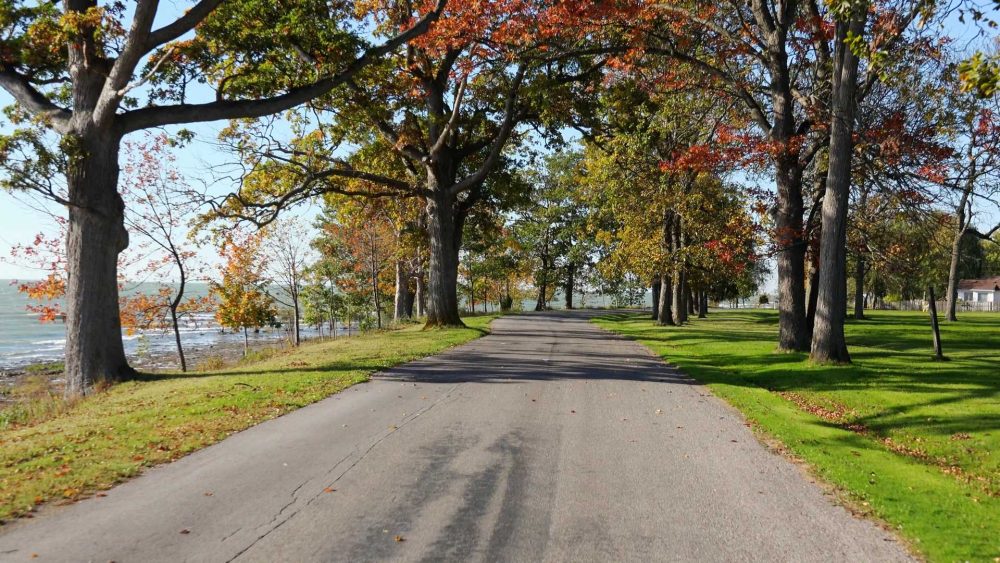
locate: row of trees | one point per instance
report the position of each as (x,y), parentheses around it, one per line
(836,103)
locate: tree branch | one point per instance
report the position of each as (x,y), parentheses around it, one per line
(181,25)
(32,100)
(510,120)
(236,109)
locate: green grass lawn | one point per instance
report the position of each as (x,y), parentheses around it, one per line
(913,442)
(111,436)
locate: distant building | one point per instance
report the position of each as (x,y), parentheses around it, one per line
(986,290)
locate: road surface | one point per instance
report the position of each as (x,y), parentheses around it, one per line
(549,440)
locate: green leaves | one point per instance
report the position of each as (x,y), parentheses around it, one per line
(980,74)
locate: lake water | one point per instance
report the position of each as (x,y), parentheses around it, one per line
(24,340)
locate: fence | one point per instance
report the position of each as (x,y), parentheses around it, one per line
(942,306)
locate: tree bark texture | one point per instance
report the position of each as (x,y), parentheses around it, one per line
(444,238)
(96,235)
(828,343)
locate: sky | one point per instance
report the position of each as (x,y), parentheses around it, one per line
(21,219)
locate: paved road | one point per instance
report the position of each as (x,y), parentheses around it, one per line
(549,440)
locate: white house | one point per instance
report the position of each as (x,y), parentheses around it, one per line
(986,290)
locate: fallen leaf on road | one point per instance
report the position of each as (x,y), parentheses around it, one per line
(733,441)
(209,493)
(185,531)
(659,411)
(680,427)
(399,538)
(574,412)
(329,490)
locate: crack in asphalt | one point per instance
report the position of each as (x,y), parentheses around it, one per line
(447,395)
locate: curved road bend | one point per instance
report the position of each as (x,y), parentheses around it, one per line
(549,440)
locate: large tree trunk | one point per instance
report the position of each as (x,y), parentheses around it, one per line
(828,343)
(402,292)
(95,237)
(788,237)
(703,305)
(793,330)
(442,304)
(664,315)
(677,297)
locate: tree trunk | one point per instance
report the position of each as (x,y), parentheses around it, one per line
(408,306)
(828,343)
(677,288)
(813,286)
(956,254)
(402,292)
(442,306)
(375,299)
(420,297)
(703,306)
(655,287)
(296,318)
(677,297)
(570,284)
(859,288)
(664,315)
(96,235)
(793,331)
(472,295)
(246,342)
(543,288)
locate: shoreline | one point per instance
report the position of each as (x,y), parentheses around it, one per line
(217,355)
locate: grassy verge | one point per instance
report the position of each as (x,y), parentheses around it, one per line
(109,437)
(913,442)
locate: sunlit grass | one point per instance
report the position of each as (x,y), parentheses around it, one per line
(913,441)
(111,436)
